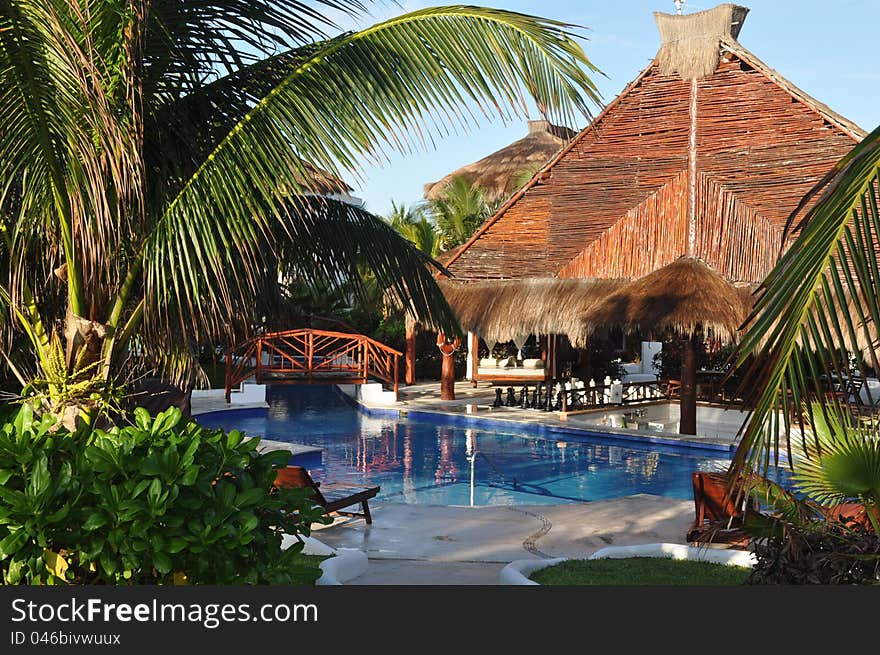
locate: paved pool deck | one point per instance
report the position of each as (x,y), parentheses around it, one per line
(438,545)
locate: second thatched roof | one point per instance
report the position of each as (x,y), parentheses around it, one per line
(500,173)
(681,297)
(502,310)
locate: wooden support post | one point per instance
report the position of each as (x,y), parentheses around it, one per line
(447,369)
(447,378)
(259,373)
(473,355)
(584,367)
(396,375)
(688,402)
(410,352)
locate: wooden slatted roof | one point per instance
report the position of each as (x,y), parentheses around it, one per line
(708,167)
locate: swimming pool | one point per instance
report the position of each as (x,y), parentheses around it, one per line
(429,461)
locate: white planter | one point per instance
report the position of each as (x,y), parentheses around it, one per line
(518,572)
(342,565)
(349,563)
(679,551)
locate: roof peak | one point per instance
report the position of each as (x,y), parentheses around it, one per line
(690,43)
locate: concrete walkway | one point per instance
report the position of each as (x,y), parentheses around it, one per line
(426,544)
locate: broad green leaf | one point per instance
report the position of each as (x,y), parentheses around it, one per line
(95,520)
(10,544)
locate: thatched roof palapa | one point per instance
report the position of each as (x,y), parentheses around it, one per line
(502,310)
(682,296)
(497,173)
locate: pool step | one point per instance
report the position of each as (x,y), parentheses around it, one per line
(371,393)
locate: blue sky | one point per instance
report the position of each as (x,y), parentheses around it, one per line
(827,48)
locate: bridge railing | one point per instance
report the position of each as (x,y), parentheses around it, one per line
(312,356)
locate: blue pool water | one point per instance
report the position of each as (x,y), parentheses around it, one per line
(427,461)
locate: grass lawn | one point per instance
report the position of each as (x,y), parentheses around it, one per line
(310,560)
(640,571)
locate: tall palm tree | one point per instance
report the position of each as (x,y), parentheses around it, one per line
(155,153)
(814,338)
(459,211)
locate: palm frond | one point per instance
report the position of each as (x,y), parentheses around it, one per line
(68,156)
(354,96)
(815,327)
(213,295)
(846,467)
(188,43)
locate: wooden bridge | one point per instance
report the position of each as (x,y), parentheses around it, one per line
(308,356)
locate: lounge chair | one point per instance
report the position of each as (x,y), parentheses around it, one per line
(718,518)
(852,515)
(332,497)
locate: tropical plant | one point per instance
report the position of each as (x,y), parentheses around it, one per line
(415,226)
(163,501)
(459,210)
(845,467)
(524,176)
(820,305)
(155,154)
(796,541)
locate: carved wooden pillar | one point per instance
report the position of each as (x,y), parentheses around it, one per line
(447,370)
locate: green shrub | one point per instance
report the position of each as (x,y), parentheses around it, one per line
(163,501)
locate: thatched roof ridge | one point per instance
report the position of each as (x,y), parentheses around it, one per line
(501,310)
(496,172)
(681,297)
(322,181)
(691,42)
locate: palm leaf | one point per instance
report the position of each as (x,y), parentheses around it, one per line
(356,95)
(816,322)
(847,466)
(68,153)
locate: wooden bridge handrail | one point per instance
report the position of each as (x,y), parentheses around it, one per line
(330,333)
(373,358)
